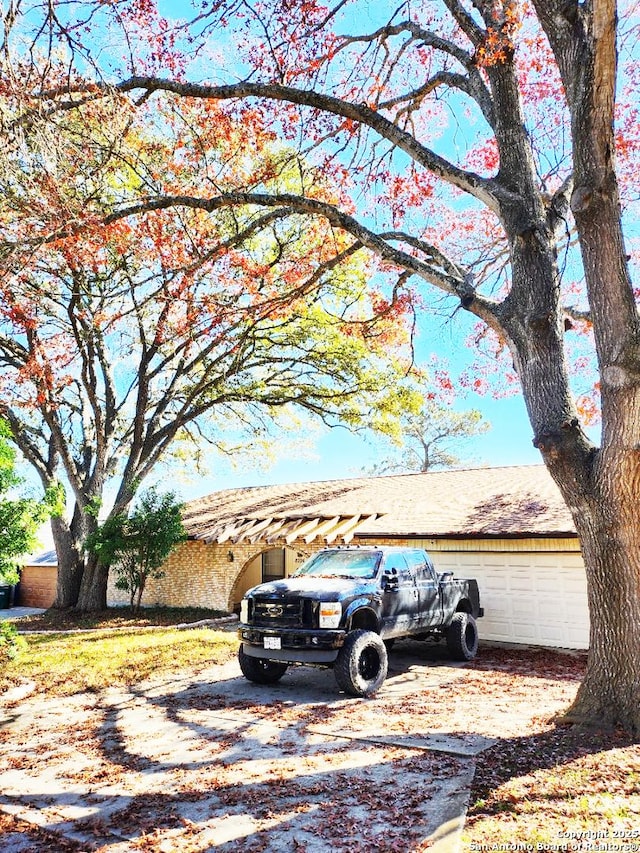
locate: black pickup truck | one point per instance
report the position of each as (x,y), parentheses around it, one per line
(344,607)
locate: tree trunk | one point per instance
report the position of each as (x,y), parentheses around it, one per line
(81,583)
(608,528)
(68,539)
(139,597)
(601,488)
(93,590)
(607,524)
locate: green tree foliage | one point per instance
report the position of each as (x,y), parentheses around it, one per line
(135,546)
(20,518)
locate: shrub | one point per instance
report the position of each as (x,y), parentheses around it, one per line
(11,643)
(137,545)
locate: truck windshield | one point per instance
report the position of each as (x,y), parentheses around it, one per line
(349,564)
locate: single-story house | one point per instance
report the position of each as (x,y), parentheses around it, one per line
(507,527)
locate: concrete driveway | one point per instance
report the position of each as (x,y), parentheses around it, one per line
(207,761)
(11,613)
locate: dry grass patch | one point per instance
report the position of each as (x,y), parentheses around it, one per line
(556,787)
(114,652)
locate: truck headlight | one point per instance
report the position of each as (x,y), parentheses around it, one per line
(244,611)
(330,614)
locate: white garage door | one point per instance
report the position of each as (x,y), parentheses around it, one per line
(528,597)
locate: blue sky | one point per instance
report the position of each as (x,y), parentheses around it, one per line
(339,453)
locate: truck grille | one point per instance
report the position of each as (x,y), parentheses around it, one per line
(272,613)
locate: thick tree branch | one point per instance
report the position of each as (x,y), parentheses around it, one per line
(485,190)
(451,280)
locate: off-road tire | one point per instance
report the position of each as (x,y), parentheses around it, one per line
(462,637)
(361,666)
(260,670)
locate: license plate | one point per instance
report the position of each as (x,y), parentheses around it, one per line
(272,643)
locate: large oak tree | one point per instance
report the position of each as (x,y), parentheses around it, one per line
(174,331)
(471,146)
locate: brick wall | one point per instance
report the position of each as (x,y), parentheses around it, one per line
(201,575)
(37,586)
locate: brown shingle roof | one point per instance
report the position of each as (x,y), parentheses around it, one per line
(482,502)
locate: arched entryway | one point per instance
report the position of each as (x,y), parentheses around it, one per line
(268,565)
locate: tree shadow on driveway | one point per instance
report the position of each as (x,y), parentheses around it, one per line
(154,767)
(208,761)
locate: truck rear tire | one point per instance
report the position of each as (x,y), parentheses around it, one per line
(260,670)
(361,666)
(462,637)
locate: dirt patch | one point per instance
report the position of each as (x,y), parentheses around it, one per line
(115,617)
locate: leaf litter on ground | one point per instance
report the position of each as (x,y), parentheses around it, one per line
(539,784)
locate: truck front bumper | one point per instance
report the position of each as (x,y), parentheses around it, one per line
(294,645)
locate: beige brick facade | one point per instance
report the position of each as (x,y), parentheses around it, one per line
(205,575)
(201,575)
(506,527)
(533,589)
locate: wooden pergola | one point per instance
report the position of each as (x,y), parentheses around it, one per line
(286,529)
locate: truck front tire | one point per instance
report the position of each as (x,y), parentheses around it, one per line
(361,666)
(462,637)
(260,670)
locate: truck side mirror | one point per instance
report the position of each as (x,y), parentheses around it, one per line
(390,580)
